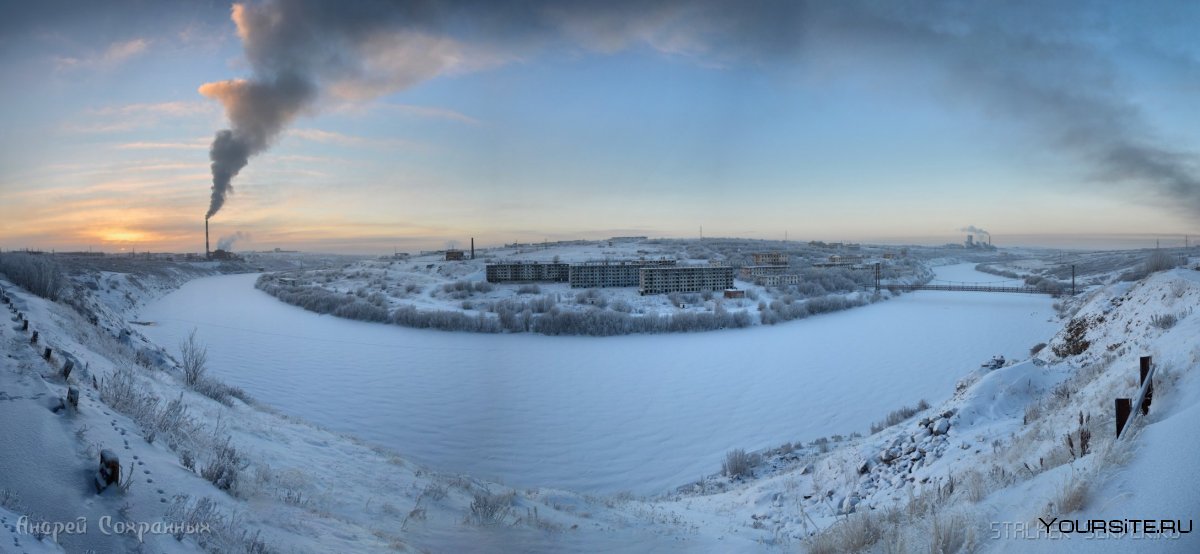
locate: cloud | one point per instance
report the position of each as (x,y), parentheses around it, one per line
(432,113)
(119,52)
(163,145)
(114,55)
(115,119)
(333,137)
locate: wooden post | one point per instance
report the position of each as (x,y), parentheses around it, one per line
(1124,407)
(1144,371)
(110,470)
(46,354)
(66,370)
(73,397)
(24,324)
(33,339)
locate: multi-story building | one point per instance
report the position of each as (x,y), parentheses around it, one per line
(688,278)
(454,256)
(619,273)
(554,272)
(776,280)
(752,271)
(769,258)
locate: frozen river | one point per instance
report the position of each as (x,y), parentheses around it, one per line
(639,413)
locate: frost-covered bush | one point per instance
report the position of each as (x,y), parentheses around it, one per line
(1164,321)
(739,463)
(122,393)
(193,359)
(488,509)
(896,416)
(221,533)
(225,466)
(38,274)
(219,391)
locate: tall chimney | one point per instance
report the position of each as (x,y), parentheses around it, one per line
(206,254)
(472,248)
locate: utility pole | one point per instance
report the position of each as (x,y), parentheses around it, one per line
(1072,279)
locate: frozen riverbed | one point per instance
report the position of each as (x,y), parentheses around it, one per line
(639,413)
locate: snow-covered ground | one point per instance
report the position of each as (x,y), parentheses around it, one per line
(989,451)
(598,415)
(427,291)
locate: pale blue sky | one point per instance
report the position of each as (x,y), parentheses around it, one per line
(857,133)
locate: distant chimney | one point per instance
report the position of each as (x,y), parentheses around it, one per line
(472,248)
(206,253)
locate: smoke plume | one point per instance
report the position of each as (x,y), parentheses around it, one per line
(1050,69)
(226,242)
(976,230)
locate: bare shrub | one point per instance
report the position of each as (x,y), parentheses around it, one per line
(1075,341)
(38,274)
(1164,321)
(897,416)
(1070,497)
(1037,348)
(193,359)
(225,466)
(855,533)
(951,532)
(219,391)
(1082,437)
(738,463)
(1158,261)
(529,289)
(488,509)
(217,532)
(121,392)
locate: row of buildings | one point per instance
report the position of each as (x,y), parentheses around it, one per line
(650,276)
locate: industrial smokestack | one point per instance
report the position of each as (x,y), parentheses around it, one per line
(472,248)
(206,253)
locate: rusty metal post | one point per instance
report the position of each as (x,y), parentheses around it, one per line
(1144,371)
(1124,408)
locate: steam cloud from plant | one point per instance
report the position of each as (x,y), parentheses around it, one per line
(226,242)
(1035,65)
(975,230)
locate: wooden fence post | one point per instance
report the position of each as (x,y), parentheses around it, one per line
(1124,407)
(1144,371)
